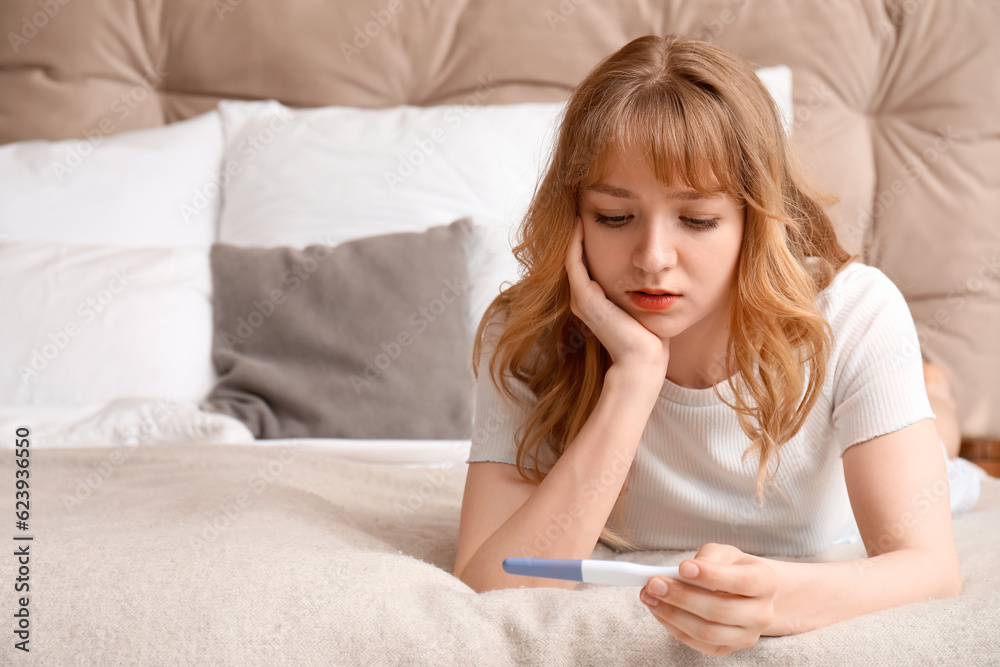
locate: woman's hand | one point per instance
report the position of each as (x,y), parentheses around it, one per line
(729,608)
(626,340)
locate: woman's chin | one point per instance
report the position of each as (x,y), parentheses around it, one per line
(658,324)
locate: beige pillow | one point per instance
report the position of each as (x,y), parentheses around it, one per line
(366,339)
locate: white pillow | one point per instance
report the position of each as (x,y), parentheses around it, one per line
(332,174)
(155,187)
(89,324)
(778,81)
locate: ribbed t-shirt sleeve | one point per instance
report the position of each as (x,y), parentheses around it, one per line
(497,420)
(879,381)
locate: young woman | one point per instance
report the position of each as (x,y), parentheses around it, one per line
(692,362)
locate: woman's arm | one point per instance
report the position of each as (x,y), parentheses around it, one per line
(564,515)
(898,487)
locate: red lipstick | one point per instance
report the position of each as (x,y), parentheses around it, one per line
(658,300)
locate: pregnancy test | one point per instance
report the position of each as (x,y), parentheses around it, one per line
(613,572)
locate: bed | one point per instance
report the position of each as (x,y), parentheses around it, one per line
(217,476)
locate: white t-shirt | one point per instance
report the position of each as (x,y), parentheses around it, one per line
(688,483)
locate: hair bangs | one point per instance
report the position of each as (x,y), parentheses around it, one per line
(685,138)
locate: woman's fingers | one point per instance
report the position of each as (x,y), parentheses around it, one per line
(731,642)
(588,300)
(575,269)
(712,622)
(575,262)
(622,335)
(731,612)
(714,606)
(704,636)
(723,567)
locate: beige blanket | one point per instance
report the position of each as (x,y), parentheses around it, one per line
(247,555)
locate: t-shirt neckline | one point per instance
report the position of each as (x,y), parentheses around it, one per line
(675,393)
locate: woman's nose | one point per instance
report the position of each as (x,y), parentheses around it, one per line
(655,250)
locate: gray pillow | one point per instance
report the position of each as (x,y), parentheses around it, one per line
(366,339)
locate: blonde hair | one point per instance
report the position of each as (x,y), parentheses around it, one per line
(700,113)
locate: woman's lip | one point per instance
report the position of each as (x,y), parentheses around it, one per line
(651,302)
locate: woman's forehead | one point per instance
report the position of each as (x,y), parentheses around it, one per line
(672,171)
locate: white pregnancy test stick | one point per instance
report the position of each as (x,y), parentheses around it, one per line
(613,572)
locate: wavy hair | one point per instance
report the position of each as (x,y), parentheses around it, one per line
(702,114)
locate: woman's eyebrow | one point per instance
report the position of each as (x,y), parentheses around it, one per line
(611,190)
(622,193)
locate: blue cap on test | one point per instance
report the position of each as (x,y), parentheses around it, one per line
(549,568)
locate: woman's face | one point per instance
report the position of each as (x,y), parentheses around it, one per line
(642,235)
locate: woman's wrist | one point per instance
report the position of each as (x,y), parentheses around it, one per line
(636,377)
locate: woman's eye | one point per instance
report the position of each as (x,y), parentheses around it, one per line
(611,220)
(701,223)
(621,220)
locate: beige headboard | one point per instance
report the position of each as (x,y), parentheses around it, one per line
(896,103)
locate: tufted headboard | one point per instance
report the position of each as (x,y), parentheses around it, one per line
(896,104)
